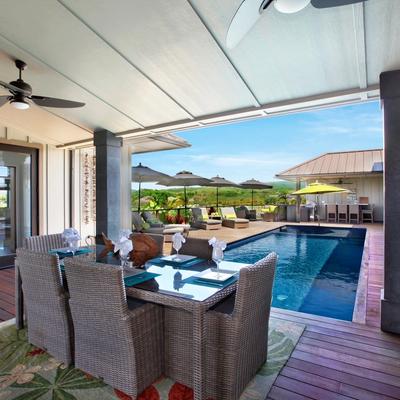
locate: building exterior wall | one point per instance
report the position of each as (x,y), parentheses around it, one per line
(369,186)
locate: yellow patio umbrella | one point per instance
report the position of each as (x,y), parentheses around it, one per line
(318,188)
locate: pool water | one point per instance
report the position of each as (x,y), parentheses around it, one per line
(317,270)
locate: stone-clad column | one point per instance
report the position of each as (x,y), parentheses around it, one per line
(108,183)
(390,95)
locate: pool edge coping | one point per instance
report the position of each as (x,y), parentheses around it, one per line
(360,303)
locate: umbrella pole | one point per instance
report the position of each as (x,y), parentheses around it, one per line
(252,199)
(184,191)
(139,198)
(217,200)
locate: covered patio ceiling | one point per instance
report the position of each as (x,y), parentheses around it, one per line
(150,67)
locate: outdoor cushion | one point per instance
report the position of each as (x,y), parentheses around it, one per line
(204,213)
(269,209)
(230,216)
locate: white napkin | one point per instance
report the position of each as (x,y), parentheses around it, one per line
(124,245)
(71,235)
(219,244)
(177,241)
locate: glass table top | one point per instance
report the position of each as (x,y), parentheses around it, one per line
(177,280)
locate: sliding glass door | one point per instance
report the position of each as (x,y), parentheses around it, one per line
(18,199)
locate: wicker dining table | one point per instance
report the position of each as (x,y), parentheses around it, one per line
(173,285)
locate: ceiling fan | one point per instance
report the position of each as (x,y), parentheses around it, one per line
(250,11)
(21,96)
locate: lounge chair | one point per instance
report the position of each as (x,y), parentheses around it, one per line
(202,221)
(244,212)
(230,220)
(159,228)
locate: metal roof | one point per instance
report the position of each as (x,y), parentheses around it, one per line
(339,164)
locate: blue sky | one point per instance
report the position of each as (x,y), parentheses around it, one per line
(264,147)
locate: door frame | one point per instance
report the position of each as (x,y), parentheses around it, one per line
(8,260)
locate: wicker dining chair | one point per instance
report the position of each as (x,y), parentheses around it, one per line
(44,243)
(195,247)
(236,335)
(46,302)
(118,340)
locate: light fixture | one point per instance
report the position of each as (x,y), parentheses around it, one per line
(18,102)
(290,6)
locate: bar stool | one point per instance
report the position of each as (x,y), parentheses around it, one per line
(367,214)
(354,213)
(342,213)
(331,213)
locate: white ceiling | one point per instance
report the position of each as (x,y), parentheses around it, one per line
(147,66)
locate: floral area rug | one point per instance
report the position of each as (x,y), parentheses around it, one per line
(29,373)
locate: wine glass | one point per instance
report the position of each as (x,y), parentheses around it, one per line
(124,256)
(217,256)
(73,246)
(177,245)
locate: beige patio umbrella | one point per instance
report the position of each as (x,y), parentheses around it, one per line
(317,188)
(141,173)
(185,178)
(254,184)
(219,182)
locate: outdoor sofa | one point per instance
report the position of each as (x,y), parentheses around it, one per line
(157,227)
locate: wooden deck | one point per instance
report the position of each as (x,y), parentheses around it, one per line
(333,360)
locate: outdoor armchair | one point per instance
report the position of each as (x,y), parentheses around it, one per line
(120,341)
(195,247)
(44,243)
(46,303)
(269,212)
(202,221)
(236,335)
(230,220)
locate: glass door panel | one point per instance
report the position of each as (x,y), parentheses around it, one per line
(18,199)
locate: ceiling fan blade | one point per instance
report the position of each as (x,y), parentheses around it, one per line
(56,103)
(13,88)
(3,100)
(334,3)
(244,19)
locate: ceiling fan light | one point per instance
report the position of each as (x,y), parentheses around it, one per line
(19,104)
(290,6)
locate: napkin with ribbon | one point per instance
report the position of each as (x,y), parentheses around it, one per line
(217,244)
(177,241)
(124,244)
(71,236)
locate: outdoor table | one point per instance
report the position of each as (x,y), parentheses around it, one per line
(173,286)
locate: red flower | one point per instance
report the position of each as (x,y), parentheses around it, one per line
(180,392)
(35,352)
(149,393)
(121,395)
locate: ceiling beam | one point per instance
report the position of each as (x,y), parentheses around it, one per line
(252,94)
(120,54)
(360,50)
(310,103)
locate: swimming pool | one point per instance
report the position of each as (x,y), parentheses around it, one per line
(317,270)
